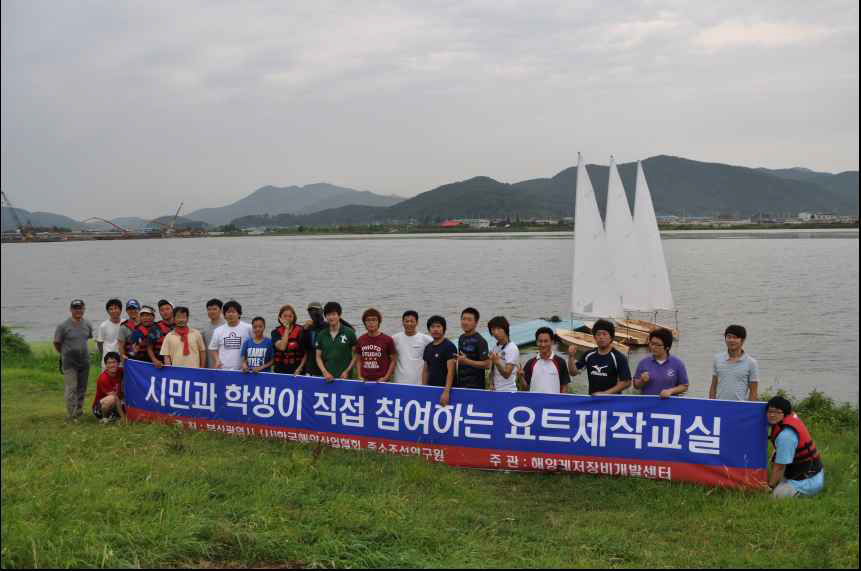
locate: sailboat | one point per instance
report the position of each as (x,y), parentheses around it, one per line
(594,291)
(651,292)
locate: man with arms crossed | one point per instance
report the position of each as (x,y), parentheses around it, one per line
(410,345)
(606,367)
(735,374)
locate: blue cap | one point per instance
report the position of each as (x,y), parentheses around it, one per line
(133,304)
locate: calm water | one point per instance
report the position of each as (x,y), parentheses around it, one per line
(797,292)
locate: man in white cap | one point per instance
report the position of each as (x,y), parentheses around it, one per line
(70,341)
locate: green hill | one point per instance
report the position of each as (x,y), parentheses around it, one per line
(679,186)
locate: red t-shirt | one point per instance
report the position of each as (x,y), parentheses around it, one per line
(106,384)
(375,355)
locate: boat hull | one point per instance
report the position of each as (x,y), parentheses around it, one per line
(585,341)
(643,326)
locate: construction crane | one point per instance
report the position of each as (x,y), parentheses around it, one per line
(26,231)
(172,228)
(168,228)
(117,226)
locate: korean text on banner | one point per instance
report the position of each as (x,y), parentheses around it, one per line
(715,443)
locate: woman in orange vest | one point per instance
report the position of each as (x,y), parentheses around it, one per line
(796,468)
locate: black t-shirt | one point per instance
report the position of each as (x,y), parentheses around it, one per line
(475,348)
(604,371)
(436,359)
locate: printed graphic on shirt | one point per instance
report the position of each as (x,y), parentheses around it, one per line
(233,341)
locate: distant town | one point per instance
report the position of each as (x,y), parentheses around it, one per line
(455,225)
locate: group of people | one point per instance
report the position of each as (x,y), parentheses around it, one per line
(325,345)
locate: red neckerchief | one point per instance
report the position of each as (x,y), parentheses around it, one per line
(183,334)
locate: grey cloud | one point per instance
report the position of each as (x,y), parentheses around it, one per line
(113,106)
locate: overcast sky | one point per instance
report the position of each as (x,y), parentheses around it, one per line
(127,108)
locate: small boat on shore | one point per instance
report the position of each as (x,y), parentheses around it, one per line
(585,341)
(644,327)
(523,334)
(627,335)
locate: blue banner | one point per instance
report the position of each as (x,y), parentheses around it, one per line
(704,441)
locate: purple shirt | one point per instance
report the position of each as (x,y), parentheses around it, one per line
(671,373)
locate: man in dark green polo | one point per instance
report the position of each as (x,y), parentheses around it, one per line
(335,345)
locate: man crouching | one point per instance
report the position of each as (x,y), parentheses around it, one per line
(796,468)
(108,404)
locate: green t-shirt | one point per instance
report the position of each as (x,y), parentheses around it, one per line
(337,350)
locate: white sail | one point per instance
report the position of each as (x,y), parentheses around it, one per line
(655,280)
(593,292)
(624,247)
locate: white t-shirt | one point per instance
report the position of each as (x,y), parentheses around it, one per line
(228,342)
(410,350)
(510,355)
(108,334)
(545,377)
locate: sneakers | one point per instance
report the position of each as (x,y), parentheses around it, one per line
(106,420)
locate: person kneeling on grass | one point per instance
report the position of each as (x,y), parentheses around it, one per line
(108,404)
(796,468)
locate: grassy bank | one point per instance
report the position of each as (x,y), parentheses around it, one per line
(92,495)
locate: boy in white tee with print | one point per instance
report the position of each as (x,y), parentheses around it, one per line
(225,348)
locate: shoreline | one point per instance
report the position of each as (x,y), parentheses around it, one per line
(398,230)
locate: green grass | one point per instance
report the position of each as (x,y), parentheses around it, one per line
(90,495)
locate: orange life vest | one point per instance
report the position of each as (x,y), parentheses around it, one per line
(806,462)
(293,354)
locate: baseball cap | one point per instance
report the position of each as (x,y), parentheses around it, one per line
(77,304)
(315,305)
(133,304)
(147,309)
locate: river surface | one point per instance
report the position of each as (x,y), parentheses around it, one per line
(795,291)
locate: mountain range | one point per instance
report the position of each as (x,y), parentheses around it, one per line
(679,186)
(292,200)
(36,219)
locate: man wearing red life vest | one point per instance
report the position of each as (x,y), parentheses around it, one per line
(796,468)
